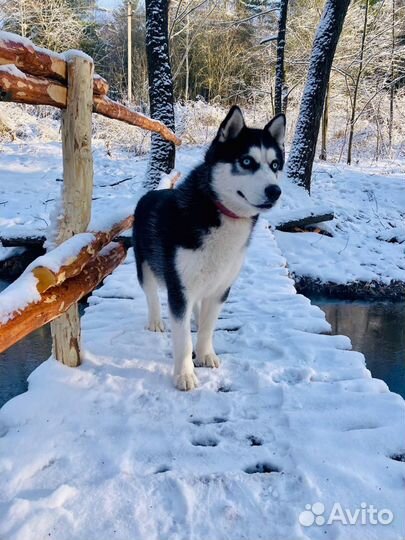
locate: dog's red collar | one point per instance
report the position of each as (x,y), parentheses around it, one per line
(225,210)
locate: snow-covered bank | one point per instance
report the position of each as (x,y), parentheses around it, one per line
(291,418)
(368,229)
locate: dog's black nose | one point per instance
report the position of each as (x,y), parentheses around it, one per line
(272,192)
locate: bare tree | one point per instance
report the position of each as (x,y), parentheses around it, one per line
(307,129)
(357,83)
(53,24)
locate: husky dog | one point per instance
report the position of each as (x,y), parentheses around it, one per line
(193,238)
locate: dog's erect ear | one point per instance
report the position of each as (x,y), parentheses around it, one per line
(232,125)
(276,128)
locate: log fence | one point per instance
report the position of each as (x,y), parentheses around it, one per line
(32,75)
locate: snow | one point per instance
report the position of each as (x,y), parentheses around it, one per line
(11,69)
(111,449)
(23,291)
(122,454)
(74,53)
(18,295)
(30,186)
(64,254)
(9,36)
(369,204)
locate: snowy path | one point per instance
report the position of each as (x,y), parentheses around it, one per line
(292,417)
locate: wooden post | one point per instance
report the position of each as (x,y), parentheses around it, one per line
(77,189)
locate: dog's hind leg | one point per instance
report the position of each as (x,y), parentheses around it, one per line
(150,287)
(204,350)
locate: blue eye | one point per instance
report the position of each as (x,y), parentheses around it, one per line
(274,165)
(247,162)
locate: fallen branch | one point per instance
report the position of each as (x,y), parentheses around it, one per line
(59,299)
(116,183)
(288,226)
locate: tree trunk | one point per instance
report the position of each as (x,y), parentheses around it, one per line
(325,118)
(392,87)
(279,83)
(356,86)
(162,154)
(129,50)
(307,129)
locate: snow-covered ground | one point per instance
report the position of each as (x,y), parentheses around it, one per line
(291,418)
(368,201)
(368,231)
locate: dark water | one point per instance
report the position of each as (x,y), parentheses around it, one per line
(377,329)
(20,360)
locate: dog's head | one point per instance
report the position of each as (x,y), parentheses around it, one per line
(246,164)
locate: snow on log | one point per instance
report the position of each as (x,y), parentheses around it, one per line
(40,62)
(112,109)
(72,263)
(57,300)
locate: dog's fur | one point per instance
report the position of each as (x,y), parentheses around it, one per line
(193,238)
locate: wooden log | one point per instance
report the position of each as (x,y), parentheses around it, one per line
(60,299)
(112,109)
(100,86)
(34,60)
(47,278)
(77,190)
(17,87)
(287,226)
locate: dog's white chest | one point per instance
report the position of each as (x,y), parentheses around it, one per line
(215,265)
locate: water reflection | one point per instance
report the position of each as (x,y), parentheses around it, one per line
(21,359)
(375,329)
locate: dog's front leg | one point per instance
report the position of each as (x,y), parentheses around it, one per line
(184,376)
(204,351)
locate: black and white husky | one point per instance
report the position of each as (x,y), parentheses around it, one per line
(193,238)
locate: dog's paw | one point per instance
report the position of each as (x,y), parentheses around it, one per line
(210,360)
(155,326)
(185,381)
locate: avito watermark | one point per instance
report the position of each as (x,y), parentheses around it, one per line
(366,514)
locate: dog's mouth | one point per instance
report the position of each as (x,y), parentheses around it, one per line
(264,206)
